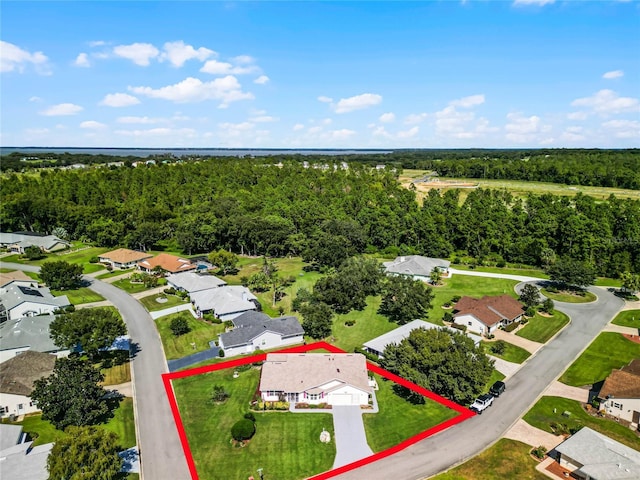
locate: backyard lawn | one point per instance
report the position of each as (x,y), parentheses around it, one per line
(551,410)
(512,353)
(505,459)
(540,329)
(399,419)
(608,351)
(569,297)
(152,305)
(286,445)
(369,324)
(201,333)
(79,296)
(79,256)
(628,318)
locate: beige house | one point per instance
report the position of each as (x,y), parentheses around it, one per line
(17,376)
(168,263)
(485,315)
(620,393)
(314,378)
(123,258)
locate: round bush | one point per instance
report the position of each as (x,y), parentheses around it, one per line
(243,430)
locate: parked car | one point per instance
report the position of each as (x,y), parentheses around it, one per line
(497,388)
(482,403)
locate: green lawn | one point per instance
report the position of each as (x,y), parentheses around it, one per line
(177,347)
(505,459)
(540,329)
(117,374)
(584,297)
(398,419)
(495,376)
(550,410)
(129,287)
(114,273)
(628,318)
(608,351)
(529,272)
(286,445)
(369,324)
(79,296)
(152,305)
(608,282)
(512,353)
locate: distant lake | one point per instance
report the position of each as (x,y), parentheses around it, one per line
(180,152)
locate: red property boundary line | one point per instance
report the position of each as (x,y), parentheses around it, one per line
(463,413)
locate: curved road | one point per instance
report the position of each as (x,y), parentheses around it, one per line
(463,441)
(161,454)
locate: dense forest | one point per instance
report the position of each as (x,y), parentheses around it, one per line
(324,213)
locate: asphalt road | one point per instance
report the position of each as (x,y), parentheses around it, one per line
(161,456)
(463,441)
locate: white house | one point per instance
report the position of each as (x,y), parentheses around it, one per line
(20,460)
(192,282)
(589,455)
(226,302)
(19,301)
(314,378)
(417,267)
(256,331)
(28,333)
(487,314)
(620,393)
(122,258)
(17,242)
(17,376)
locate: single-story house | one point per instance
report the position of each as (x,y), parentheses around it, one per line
(255,330)
(123,258)
(17,277)
(20,459)
(192,282)
(167,262)
(16,242)
(589,455)
(620,393)
(19,301)
(485,315)
(17,376)
(332,378)
(28,333)
(417,267)
(226,302)
(395,336)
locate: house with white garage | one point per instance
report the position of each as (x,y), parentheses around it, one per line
(167,263)
(257,331)
(123,258)
(19,459)
(314,378)
(589,455)
(28,333)
(192,282)
(18,241)
(17,376)
(226,302)
(17,301)
(620,394)
(417,267)
(485,315)
(395,336)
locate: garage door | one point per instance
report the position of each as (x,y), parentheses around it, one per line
(340,399)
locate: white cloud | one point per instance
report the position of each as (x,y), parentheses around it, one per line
(357,102)
(140,120)
(380,131)
(415,118)
(35,99)
(327,121)
(139,53)
(524,129)
(623,128)
(92,125)
(226,90)
(606,102)
(244,59)
(315,130)
(156,132)
(468,102)
(178,53)
(264,119)
(577,115)
(119,100)
(533,2)
(297,127)
(261,80)
(387,117)
(82,60)
(14,58)
(613,74)
(324,99)
(62,109)
(412,132)
(97,43)
(215,67)
(342,134)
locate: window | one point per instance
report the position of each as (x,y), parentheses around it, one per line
(617,405)
(314,396)
(3,410)
(20,406)
(469,323)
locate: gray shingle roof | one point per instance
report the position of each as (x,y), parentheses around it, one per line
(193,282)
(26,462)
(250,318)
(284,326)
(15,295)
(224,300)
(32,332)
(415,265)
(18,374)
(43,241)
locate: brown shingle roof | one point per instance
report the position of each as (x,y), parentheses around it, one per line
(623,383)
(124,255)
(168,262)
(18,374)
(9,277)
(489,310)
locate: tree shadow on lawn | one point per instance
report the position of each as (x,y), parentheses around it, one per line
(112,399)
(407,394)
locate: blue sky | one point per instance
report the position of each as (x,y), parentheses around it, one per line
(527,73)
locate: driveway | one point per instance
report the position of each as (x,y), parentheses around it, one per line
(351,441)
(528,345)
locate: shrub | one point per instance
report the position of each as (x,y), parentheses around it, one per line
(539,452)
(219,394)
(350,323)
(243,430)
(455,299)
(499,347)
(501,264)
(94,260)
(179,326)
(446,304)
(530,312)
(447,317)
(524,321)
(491,336)
(456,261)
(548,306)
(170,291)
(221,353)
(512,326)
(250,416)
(457,326)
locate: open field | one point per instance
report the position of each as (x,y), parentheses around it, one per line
(540,329)
(505,459)
(628,318)
(200,335)
(550,410)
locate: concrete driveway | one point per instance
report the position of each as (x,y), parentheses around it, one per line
(351,441)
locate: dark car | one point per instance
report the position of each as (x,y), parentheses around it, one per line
(497,388)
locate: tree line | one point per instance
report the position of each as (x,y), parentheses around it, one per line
(324,214)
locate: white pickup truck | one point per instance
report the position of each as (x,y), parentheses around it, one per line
(482,402)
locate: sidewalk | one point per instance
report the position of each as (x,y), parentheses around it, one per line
(168,311)
(620,329)
(558,389)
(528,345)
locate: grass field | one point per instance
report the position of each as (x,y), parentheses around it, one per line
(286,445)
(79,296)
(540,329)
(512,353)
(628,318)
(369,324)
(152,305)
(529,272)
(608,351)
(506,459)
(78,256)
(567,297)
(177,347)
(129,287)
(398,419)
(114,273)
(116,374)
(550,410)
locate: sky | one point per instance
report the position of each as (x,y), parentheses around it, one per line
(431,74)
